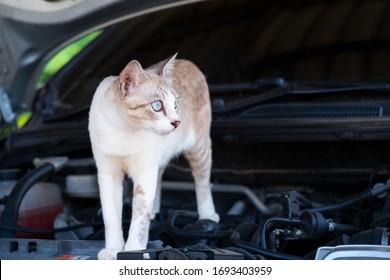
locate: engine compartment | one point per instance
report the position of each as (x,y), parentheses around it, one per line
(256,223)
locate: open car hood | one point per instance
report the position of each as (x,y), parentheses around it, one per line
(32,31)
(296,40)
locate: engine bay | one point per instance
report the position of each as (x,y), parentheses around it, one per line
(256,223)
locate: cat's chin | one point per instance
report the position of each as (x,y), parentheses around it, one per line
(162,132)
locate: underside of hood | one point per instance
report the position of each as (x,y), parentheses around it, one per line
(32,31)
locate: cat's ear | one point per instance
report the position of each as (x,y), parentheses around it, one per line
(163,68)
(168,67)
(130,77)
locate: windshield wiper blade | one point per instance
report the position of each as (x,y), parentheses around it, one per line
(256,85)
(282,88)
(334,87)
(220,106)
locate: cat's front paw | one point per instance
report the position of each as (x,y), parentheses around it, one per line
(108,254)
(214,217)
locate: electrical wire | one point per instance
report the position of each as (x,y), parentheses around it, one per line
(245,253)
(261,251)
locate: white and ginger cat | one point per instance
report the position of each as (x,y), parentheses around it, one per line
(138,121)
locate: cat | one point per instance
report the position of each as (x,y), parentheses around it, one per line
(138,121)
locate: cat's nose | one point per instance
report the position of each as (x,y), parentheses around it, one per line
(175,123)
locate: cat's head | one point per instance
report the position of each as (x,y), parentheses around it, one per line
(148,97)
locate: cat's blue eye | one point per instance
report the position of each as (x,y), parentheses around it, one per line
(157,105)
(176,104)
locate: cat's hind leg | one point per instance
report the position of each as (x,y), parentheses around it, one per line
(199,158)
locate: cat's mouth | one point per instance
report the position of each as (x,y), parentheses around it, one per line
(163,130)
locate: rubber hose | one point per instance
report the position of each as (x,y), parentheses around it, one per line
(343,204)
(193,235)
(14,200)
(352,200)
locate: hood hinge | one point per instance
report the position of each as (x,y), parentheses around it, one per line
(5,107)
